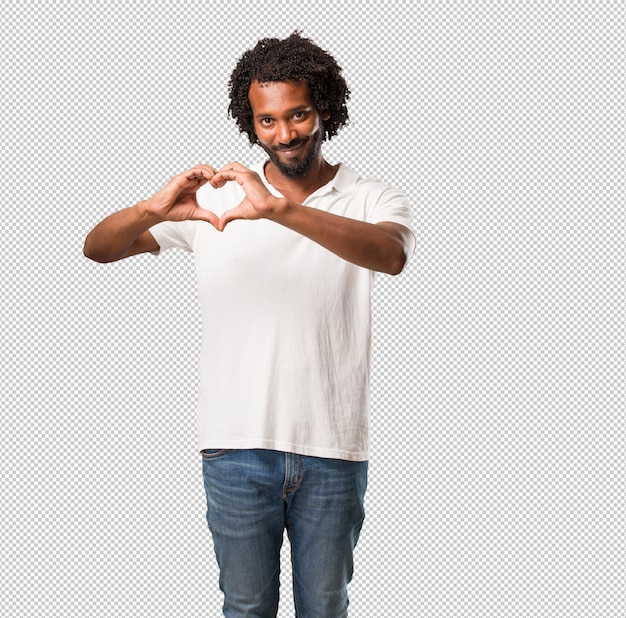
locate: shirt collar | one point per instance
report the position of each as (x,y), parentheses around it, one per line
(344,180)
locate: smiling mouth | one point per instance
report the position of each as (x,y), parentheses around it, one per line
(291,150)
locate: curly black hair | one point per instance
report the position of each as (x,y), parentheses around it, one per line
(294,59)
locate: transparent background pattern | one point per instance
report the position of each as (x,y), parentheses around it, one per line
(497,477)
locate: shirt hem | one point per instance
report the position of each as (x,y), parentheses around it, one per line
(309,451)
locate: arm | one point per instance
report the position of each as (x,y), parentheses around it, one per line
(126,232)
(122,234)
(383,247)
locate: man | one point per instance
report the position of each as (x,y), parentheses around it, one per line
(283,408)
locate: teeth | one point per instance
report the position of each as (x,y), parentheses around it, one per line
(291,148)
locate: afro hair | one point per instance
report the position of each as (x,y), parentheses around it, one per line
(295,59)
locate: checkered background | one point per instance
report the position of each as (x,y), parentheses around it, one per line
(497,478)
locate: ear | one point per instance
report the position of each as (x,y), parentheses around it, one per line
(325,115)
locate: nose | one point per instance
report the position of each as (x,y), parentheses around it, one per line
(286,133)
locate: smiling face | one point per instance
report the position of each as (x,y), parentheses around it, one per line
(287,125)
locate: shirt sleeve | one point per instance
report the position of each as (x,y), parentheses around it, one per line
(390,204)
(174,234)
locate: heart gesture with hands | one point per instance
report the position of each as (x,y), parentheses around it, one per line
(259,202)
(177,201)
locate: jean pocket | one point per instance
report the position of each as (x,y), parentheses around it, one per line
(213,453)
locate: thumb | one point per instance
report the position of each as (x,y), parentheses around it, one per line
(201,214)
(238,212)
(225,219)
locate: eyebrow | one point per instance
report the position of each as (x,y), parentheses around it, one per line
(293,110)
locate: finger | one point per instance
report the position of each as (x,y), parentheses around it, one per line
(204,169)
(234,166)
(224,176)
(197,171)
(200,174)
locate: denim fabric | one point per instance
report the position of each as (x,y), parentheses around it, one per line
(252,497)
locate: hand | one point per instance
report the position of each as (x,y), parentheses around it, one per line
(176,201)
(259,202)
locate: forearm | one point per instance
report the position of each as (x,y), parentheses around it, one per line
(378,247)
(113,238)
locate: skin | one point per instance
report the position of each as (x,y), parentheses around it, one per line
(287,126)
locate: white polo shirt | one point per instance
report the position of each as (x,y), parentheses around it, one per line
(285,356)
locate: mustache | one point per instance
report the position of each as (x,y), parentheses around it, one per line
(296,143)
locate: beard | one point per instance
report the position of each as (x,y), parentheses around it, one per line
(296,168)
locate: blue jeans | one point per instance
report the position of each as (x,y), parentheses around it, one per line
(252,496)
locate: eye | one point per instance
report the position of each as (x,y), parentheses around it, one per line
(266,122)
